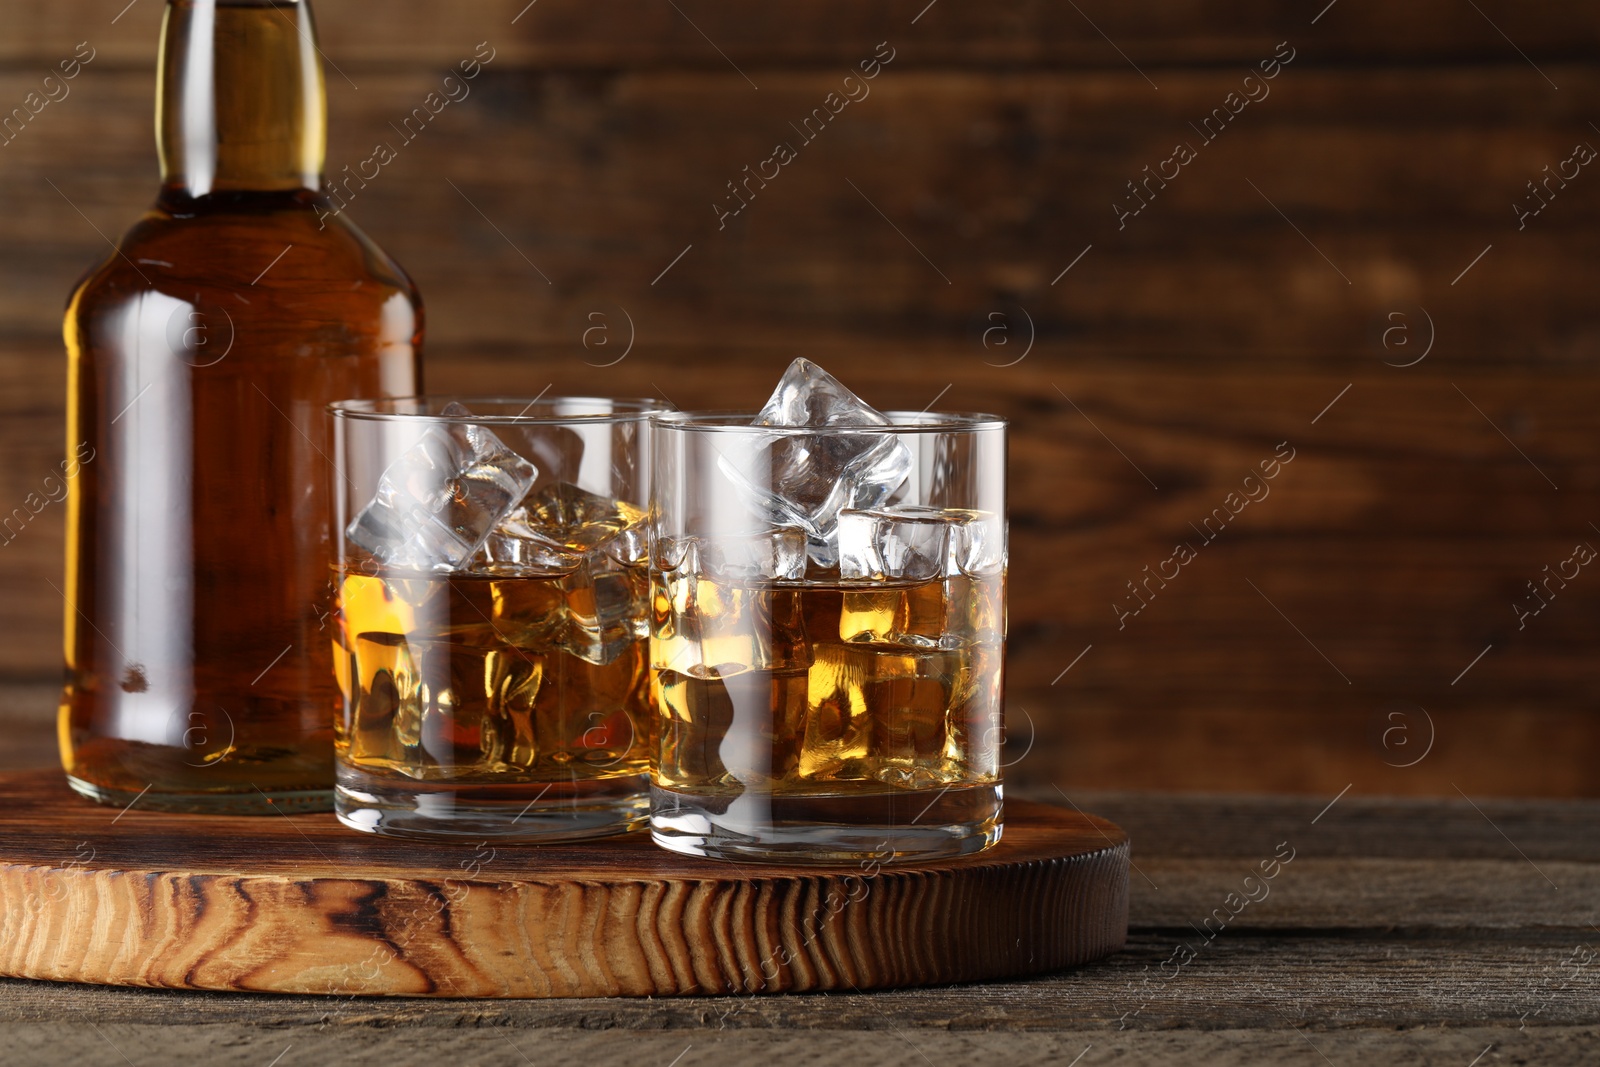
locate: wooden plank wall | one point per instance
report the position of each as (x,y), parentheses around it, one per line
(1341,268)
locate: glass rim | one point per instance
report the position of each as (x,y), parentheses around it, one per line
(735,422)
(381,409)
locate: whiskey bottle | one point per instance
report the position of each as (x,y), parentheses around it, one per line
(202,353)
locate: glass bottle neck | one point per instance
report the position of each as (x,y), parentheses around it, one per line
(240,104)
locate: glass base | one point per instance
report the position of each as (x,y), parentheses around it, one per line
(254,802)
(904,826)
(527,812)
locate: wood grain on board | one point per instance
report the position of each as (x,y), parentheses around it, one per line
(304,905)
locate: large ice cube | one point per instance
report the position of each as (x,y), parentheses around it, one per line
(909,541)
(705,627)
(881,613)
(927,575)
(717,610)
(909,741)
(805,480)
(596,544)
(554,528)
(978,545)
(607,609)
(905,541)
(774,555)
(436,504)
(807,395)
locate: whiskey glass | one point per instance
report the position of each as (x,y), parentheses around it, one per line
(491,607)
(828,683)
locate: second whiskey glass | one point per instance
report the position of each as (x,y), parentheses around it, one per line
(828,686)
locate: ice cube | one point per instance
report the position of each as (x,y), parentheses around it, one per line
(527,615)
(805,480)
(910,615)
(593,546)
(701,625)
(838,723)
(930,577)
(437,504)
(978,545)
(912,542)
(975,611)
(554,528)
(905,541)
(778,554)
(914,692)
(807,395)
(716,609)
(607,609)
(705,625)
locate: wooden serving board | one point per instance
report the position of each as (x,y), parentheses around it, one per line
(299,904)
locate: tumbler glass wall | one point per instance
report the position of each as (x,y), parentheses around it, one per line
(492,614)
(828,688)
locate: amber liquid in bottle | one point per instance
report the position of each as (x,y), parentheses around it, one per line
(202,354)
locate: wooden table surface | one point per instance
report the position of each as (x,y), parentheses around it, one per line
(1397,931)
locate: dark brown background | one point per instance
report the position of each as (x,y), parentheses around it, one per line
(1195,339)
